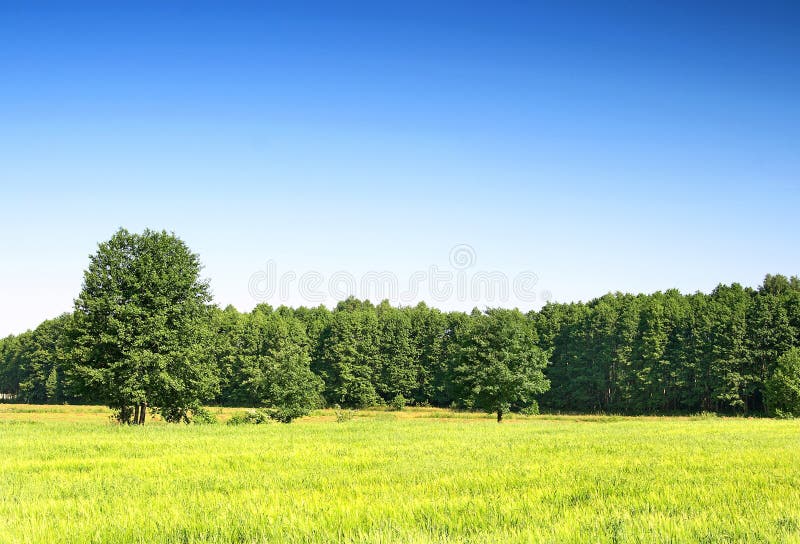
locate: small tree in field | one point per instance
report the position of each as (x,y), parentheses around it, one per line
(497,362)
(139,330)
(783,387)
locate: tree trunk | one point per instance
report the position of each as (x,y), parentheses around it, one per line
(136,414)
(499,416)
(142,412)
(125,413)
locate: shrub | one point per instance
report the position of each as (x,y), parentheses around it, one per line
(250,417)
(237,419)
(398,403)
(342,414)
(203,416)
(286,414)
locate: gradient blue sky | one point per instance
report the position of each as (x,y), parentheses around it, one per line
(606,146)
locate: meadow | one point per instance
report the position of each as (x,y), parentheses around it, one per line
(68,475)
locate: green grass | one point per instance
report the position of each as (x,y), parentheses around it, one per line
(413,476)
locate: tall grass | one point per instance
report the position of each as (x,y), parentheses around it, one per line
(406,478)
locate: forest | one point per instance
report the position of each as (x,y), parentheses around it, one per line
(132,344)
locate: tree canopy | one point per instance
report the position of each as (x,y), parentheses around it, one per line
(498,364)
(783,386)
(139,333)
(144,335)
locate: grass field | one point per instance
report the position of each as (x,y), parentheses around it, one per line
(68,475)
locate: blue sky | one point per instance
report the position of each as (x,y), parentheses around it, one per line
(605,146)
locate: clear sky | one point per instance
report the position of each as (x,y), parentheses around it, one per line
(604,146)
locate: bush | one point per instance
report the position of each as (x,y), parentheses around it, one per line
(250,417)
(342,415)
(398,403)
(286,414)
(237,419)
(203,416)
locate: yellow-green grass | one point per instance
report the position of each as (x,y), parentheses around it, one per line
(421,475)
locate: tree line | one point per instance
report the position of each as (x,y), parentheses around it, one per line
(145,336)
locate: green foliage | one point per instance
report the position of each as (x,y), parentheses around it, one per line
(121,415)
(350,353)
(287,414)
(343,414)
(42,362)
(139,334)
(271,365)
(499,364)
(398,403)
(203,416)
(237,419)
(143,338)
(783,387)
(669,353)
(531,410)
(251,417)
(397,360)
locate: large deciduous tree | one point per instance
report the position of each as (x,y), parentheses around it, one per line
(140,328)
(499,366)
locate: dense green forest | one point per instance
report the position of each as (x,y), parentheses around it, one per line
(661,353)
